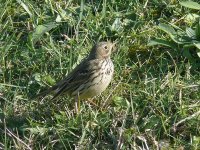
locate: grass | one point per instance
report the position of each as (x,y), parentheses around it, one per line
(152,102)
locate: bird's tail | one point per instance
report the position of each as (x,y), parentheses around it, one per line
(43,94)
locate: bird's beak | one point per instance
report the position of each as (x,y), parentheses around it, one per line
(114,49)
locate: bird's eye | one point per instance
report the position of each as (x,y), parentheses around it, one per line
(106,47)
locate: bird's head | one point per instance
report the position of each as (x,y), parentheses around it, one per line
(102,50)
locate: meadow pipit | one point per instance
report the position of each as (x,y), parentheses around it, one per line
(90,77)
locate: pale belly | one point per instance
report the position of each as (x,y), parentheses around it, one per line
(100,82)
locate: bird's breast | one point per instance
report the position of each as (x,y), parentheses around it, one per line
(98,81)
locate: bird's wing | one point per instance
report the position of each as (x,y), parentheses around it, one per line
(77,77)
(74,79)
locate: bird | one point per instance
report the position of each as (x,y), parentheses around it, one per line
(88,79)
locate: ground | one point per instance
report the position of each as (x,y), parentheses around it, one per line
(153,100)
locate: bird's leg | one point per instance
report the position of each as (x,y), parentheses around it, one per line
(76,106)
(77,103)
